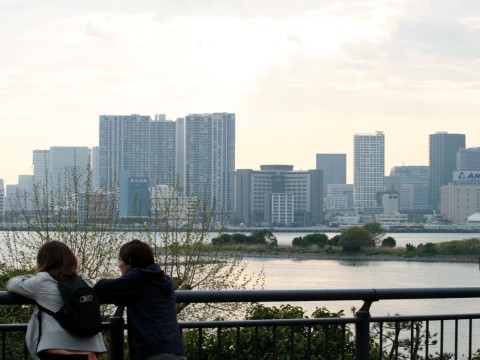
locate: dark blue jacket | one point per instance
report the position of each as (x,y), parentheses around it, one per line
(151,315)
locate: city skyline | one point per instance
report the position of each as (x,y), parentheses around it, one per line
(302,78)
(349,162)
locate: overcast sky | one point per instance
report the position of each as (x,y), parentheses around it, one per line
(302,77)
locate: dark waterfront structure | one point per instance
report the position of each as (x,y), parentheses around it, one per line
(443,148)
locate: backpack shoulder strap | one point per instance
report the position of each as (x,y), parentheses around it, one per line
(44,309)
(39,319)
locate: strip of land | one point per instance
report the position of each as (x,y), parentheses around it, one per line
(360,257)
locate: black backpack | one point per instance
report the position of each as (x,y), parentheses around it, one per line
(80,313)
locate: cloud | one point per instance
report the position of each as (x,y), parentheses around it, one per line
(440,37)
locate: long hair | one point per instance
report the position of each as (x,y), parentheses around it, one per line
(137,254)
(57,259)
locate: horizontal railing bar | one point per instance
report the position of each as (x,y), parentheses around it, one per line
(266,322)
(13,327)
(273,295)
(424,317)
(211,296)
(330,295)
(283,322)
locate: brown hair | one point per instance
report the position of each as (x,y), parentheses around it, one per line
(137,254)
(57,259)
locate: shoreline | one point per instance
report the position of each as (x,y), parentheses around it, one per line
(362,257)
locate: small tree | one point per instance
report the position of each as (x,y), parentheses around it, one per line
(310,240)
(389,242)
(354,238)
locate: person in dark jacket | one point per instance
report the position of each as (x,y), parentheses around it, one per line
(148,294)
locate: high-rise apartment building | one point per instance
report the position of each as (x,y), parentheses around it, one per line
(207,167)
(468,159)
(334,167)
(278,195)
(369,171)
(413,186)
(443,148)
(138,144)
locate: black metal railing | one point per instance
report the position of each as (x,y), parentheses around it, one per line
(361,336)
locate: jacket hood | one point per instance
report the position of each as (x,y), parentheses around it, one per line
(155,275)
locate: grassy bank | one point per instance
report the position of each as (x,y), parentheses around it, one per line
(336,253)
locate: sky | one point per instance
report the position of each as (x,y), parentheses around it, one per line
(303,77)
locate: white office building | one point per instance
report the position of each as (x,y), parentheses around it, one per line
(369,171)
(282,208)
(461,198)
(339,197)
(274,193)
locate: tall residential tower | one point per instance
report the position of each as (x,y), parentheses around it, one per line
(369,170)
(206,159)
(138,144)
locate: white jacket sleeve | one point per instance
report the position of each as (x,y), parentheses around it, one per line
(25,285)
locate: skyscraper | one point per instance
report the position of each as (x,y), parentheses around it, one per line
(443,149)
(369,170)
(334,167)
(208,164)
(138,144)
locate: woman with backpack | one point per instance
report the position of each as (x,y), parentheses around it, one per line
(46,339)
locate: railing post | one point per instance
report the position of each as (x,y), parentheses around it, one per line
(116,337)
(362,332)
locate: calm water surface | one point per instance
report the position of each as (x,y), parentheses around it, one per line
(333,274)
